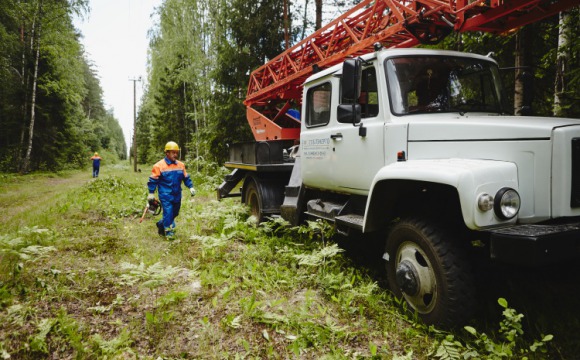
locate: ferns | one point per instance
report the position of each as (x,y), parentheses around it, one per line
(29,245)
(320,257)
(150,276)
(449,349)
(38,341)
(482,346)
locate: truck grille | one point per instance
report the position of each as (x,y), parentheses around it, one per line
(575,191)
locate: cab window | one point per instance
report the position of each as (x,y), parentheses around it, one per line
(427,84)
(318,105)
(369,96)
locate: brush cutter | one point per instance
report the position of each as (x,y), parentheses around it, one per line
(153,207)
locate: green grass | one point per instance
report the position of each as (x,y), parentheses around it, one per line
(81,278)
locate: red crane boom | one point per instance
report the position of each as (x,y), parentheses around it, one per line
(277,85)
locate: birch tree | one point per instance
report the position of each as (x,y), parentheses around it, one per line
(35,40)
(562,59)
(523,74)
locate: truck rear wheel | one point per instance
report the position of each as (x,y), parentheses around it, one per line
(254,200)
(429,270)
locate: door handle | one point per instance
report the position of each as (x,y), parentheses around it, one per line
(337,136)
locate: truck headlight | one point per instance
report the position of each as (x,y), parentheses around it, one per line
(506,204)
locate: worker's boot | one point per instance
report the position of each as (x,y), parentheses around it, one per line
(160,229)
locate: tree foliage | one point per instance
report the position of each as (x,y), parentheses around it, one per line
(541,41)
(202,55)
(51,108)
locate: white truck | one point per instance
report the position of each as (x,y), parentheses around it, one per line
(426,156)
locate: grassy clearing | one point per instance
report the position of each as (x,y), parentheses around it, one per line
(80,277)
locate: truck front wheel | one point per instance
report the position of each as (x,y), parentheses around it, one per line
(429,270)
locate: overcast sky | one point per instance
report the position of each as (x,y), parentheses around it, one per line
(116,42)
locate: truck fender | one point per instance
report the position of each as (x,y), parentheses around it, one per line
(461,181)
(270,192)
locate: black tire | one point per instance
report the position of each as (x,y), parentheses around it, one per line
(254,200)
(428,269)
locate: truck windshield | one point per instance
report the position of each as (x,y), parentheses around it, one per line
(428,84)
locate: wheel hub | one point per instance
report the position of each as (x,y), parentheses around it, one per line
(407,278)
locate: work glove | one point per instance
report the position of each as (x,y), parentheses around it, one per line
(192,191)
(150,197)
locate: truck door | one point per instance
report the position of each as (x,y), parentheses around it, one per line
(315,142)
(356,159)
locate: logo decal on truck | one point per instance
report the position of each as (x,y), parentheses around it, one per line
(315,149)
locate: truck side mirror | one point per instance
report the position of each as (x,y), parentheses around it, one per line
(351,79)
(349,111)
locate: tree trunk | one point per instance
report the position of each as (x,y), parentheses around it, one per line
(25,80)
(459,42)
(562,59)
(318,14)
(26,162)
(304,20)
(197,139)
(523,75)
(286,26)
(24,83)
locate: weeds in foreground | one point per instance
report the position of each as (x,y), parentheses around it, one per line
(224,288)
(482,346)
(27,246)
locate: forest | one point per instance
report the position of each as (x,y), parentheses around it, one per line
(52,114)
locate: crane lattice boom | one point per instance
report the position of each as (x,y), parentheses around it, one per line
(276,85)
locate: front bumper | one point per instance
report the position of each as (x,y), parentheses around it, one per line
(535,244)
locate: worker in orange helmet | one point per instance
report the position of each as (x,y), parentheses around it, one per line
(96,164)
(167,176)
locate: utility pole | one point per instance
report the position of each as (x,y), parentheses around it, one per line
(135,121)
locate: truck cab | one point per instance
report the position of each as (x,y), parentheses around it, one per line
(417,144)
